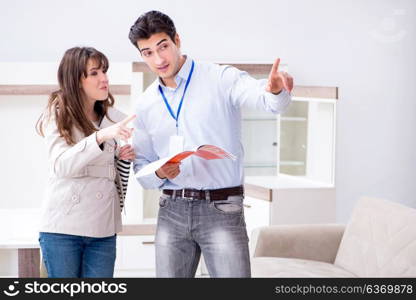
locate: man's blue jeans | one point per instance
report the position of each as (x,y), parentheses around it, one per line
(186,227)
(77,256)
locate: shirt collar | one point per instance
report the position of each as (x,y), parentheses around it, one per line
(183,72)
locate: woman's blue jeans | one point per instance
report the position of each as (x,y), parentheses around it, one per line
(72,256)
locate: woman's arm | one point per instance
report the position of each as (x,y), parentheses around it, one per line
(69,160)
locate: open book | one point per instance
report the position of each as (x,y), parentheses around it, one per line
(205,152)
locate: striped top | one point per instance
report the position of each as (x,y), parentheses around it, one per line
(123,172)
(122,179)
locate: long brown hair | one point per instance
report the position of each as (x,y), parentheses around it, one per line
(67,104)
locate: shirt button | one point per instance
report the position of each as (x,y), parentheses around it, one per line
(74,198)
(99,195)
(110,149)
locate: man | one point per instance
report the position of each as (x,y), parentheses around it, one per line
(192,104)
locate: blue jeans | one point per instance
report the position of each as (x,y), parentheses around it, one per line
(67,255)
(186,227)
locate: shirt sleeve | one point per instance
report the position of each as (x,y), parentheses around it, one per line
(145,154)
(245,91)
(69,160)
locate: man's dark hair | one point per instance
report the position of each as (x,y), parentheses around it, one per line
(150,23)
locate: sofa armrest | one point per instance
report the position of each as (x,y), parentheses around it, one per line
(310,241)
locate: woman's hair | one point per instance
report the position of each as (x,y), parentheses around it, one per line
(67,104)
(150,23)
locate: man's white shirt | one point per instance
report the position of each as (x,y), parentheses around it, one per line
(210,114)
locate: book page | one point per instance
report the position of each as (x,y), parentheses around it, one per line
(213,152)
(206,152)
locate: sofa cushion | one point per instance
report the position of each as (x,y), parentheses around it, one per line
(294,267)
(379,240)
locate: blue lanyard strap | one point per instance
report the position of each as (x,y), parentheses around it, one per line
(183,96)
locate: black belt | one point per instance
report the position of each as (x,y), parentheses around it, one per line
(219,194)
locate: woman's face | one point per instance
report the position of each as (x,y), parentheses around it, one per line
(95,85)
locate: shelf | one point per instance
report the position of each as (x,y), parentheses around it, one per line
(282,163)
(46,89)
(284,181)
(292,163)
(259,119)
(260,166)
(294,119)
(138,229)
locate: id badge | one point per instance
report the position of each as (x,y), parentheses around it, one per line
(176,143)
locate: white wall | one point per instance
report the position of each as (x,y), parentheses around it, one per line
(367,48)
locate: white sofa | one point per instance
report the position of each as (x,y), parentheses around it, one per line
(378,241)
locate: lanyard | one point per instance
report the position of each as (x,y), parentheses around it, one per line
(180,103)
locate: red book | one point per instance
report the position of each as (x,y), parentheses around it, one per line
(205,151)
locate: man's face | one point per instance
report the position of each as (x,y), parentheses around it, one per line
(161,54)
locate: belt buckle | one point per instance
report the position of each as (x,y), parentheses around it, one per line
(185,197)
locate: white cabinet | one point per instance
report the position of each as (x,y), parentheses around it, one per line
(291,157)
(307,139)
(299,142)
(135,256)
(303,205)
(287,199)
(260,138)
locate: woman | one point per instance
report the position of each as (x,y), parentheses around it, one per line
(82,211)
